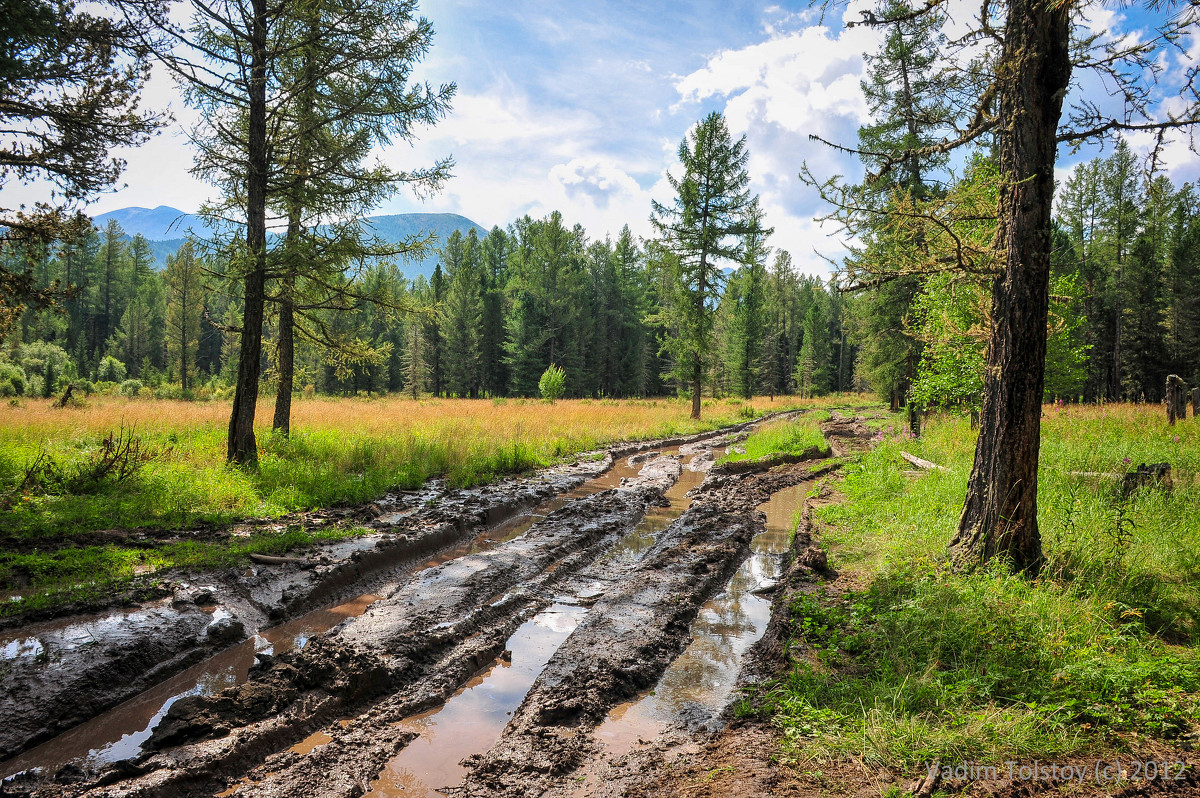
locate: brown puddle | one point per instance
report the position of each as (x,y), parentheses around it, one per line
(117,734)
(471,721)
(699,684)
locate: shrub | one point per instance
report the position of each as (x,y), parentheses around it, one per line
(131,388)
(551,384)
(12,380)
(110,370)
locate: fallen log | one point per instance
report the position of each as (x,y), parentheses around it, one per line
(271,559)
(925,464)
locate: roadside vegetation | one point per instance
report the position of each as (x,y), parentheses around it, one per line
(903,661)
(74,481)
(791,437)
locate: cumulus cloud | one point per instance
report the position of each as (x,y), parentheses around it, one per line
(777,93)
(597,180)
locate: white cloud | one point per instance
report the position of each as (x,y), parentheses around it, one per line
(778,92)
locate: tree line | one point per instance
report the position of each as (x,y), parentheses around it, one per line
(498,310)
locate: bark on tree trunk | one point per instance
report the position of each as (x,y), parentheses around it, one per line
(1196,403)
(1176,399)
(282,422)
(1000,513)
(243,449)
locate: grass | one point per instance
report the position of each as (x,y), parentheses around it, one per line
(341,451)
(924,663)
(783,438)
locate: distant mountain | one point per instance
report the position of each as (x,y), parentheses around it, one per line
(166,229)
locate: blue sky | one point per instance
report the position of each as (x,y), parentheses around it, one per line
(580,107)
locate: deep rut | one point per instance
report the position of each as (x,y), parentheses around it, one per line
(621,580)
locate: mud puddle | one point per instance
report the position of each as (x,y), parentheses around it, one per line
(697,686)
(118,734)
(471,721)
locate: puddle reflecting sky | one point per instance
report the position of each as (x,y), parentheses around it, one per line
(472,720)
(699,684)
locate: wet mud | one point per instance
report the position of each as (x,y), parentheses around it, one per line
(492,664)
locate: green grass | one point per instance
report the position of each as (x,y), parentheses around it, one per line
(925,663)
(89,574)
(341,452)
(792,437)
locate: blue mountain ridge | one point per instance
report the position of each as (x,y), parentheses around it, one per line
(166,229)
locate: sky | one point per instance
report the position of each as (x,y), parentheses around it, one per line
(581,107)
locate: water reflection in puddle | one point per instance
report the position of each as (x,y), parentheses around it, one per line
(119,733)
(471,721)
(699,684)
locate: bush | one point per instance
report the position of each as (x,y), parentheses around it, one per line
(131,388)
(552,382)
(12,380)
(110,370)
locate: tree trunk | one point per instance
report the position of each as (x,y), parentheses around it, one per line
(697,381)
(1000,513)
(1176,399)
(1196,403)
(282,422)
(243,449)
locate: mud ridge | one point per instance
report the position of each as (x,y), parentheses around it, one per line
(403,641)
(629,638)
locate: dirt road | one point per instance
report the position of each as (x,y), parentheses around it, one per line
(498,634)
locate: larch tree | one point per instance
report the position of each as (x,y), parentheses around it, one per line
(71,79)
(293,95)
(184,308)
(1020,107)
(707,223)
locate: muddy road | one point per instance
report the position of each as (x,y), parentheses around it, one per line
(513,640)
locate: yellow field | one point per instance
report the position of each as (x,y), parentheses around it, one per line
(528,419)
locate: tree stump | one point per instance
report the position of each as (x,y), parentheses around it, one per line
(1146,476)
(1196,403)
(1176,399)
(914,419)
(66,397)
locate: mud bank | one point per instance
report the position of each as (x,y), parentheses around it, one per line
(629,638)
(438,624)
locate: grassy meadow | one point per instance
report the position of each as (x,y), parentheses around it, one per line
(907,661)
(56,497)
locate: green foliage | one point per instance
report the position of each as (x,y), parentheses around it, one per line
(110,370)
(12,380)
(950,317)
(550,386)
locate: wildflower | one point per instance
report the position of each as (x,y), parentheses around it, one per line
(1126,460)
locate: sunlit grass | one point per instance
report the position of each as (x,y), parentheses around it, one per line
(340,451)
(926,663)
(790,437)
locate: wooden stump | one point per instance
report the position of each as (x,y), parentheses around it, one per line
(1196,403)
(1176,399)
(1154,475)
